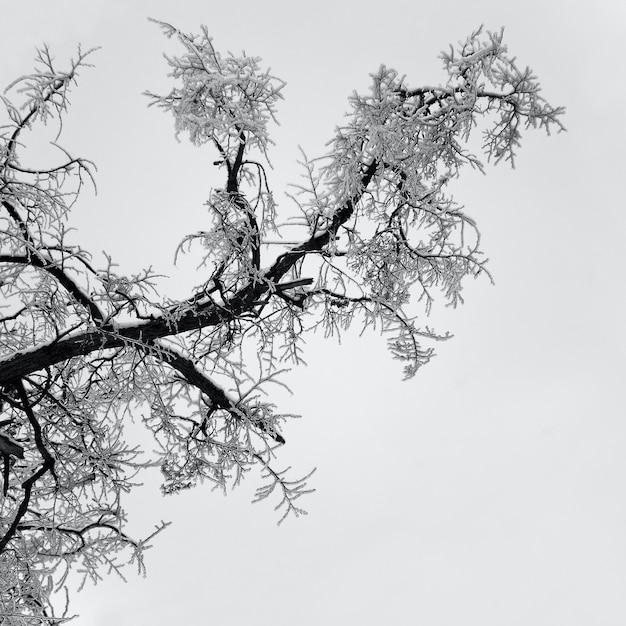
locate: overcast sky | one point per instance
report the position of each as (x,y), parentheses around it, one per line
(491,489)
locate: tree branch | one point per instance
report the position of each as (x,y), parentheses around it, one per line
(41,262)
(48,465)
(20,364)
(215,393)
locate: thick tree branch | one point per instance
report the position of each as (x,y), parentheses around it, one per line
(287,260)
(47,466)
(21,364)
(48,265)
(215,393)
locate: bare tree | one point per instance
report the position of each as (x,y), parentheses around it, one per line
(83,346)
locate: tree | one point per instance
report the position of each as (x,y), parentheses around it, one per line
(84,346)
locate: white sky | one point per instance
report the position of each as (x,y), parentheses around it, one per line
(489,490)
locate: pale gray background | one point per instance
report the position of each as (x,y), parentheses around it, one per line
(491,489)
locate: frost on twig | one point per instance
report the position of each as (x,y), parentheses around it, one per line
(290,490)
